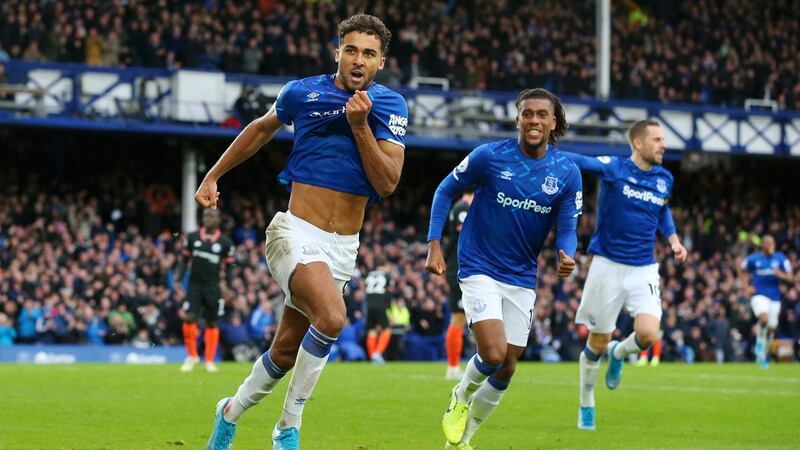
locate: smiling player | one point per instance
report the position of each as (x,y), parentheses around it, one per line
(522,188)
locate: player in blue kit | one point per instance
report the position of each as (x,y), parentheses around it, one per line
(632,208)
(768,268)
(522,188)
(348,153)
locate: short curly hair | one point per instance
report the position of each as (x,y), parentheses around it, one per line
(366,23)
(561,116)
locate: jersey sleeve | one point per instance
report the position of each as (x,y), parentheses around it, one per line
(786,265)
(666,225)
(604,167)
(390,118)
(468,173)
(747,263)
(570,207)
(285,105)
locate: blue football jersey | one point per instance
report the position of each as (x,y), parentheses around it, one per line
(517,201)
(763,269)
(325,152)
(632,208)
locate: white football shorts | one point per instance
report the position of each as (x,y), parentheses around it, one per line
(292,241)
(484,298)
(610,286)
(762,304)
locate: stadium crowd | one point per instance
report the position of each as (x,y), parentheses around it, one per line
(707,51)
(92,261)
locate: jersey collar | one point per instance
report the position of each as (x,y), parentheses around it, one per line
(213,238)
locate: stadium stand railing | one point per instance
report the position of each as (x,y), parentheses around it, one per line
(203,103)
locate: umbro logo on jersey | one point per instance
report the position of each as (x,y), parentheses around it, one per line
(506,175)
(312,97)
(633,180)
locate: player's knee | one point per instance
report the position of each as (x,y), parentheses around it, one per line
(598,343)
(507,371)
(646,338)
(331,323)
(494,356)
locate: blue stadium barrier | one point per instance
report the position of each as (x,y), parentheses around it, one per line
(149,101)
(73,354)
(424,348)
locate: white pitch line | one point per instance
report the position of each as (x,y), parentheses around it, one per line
(648,387)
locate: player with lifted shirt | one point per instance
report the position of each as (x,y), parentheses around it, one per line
(522,188)
(348,153)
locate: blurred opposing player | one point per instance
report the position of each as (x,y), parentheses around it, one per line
(454,343)
(624,272)
(349,136)
(206,250)
(768,268)
(522,188)
(378,287)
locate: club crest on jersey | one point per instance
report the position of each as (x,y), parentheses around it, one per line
(312,97)
(550,185)
(216,247)
(506,175)
(661,185)
(479,305)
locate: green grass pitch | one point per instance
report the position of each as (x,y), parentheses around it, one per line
(399,406)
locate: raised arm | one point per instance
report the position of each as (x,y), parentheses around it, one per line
(601,166)
(249,141)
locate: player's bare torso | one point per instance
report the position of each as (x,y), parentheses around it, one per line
(328,210)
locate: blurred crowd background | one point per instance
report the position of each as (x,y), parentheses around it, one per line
(89,248)
(705,51)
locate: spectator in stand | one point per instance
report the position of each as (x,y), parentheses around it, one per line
(7,331)
(716,51)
